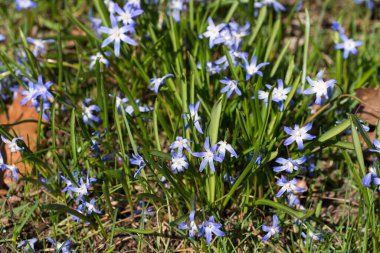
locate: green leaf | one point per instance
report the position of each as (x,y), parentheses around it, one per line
(18,228)
(297,214)
(214,122)
(66,209)
(334,131)
(135,231)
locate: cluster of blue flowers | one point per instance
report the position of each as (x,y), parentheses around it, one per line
(38,93)
(206,228)
(11,170)
(28,245)
(372,176)
(80,189)
(230,35)
(125,33)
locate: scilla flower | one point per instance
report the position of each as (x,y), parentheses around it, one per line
(280,94)
(209,156)
(231,86)
(276,5)
(191,225)
(155,83)
(252,68)
(348,45)
(117,34)
(88,112)
(319,87)
(271,230)
(213,33)
(39,45)
(288,165)
(298,135)
(12,145)
(179,162)
(209,227)
(27,245)
(24,4)
(287,186)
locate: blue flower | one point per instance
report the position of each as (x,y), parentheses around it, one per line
(280,94)
(139,161)
(175,8)
(30,94)
(209,156)
(96,23)
(179,162)
(231,86)
(271,230)
(210,227)
(287,186)
(298,135)
(3,166)
(63,247)
(25,4)
(370,176)
(311,237)
(349,46)
(39,45)
(194,117)
(116,34)
(210,68)
(370,4)
(69,186)
(12,145)
(2,38)
(90,207)
(180,143)
(337,27)
(376,143)
(293,200)
(119,102)
(12,172)
(155,83)
(135,3)
(258,158)
(213,33)
(299,6)
(223,146)
(264,95)
(376,181)
(82,190)
(252,68)
(28,245)
(191,225)
(234,58)
(88,112)
(319,87)
(276,5)
(288,165)
(99,57)
(229,179)
(42,89)
(238,32)
(127,14)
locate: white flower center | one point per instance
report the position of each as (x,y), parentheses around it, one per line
(209,155)
(251,69)
(127,17)
(349,44)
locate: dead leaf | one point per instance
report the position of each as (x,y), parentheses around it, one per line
(369,107)
(16,113)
